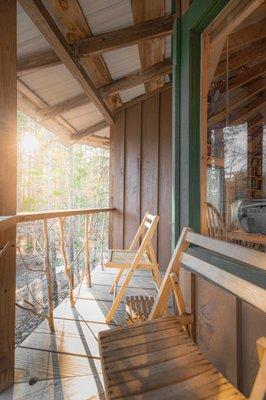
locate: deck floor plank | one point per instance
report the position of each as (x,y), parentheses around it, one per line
(66,363)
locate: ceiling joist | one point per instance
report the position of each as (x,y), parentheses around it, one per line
(151,50)
(60,108)
(254,52)
(47,26)
(123,37)
(89,131)
(136,78)
(71,20)
(248,91)
(36,61)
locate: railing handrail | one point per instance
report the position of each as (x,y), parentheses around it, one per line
(8,221)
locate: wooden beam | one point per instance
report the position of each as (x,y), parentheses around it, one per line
(8,191)
(244,114)
(74,25)
(45,23)
(91,130)
(36,61)
(247,92)
(151,51)
(234,18)
(130,35)
(136,78)
(255,52)
(241,78)
(32,104)
(60,108)
(246,36)
(144,96)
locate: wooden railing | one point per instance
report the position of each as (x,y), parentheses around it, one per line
(59,216)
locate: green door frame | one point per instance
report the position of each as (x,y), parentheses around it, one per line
(186,112)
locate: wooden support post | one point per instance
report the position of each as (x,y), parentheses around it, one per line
(50,316)
(68,268)
(87,252)
(8,167)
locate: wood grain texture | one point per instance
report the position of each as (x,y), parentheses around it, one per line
(132,172)
(151,50)
(73,24)
(8,172)
(165,179)
(147,174)
(150,162)
(40,16)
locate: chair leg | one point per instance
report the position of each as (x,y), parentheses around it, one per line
(156,276)
(117,279)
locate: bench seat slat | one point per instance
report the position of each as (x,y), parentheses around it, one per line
(160,372)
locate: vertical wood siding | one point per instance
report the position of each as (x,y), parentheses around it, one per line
(140,177)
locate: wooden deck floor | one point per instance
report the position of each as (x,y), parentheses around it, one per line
(67,363)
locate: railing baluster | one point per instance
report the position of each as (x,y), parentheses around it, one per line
(50,314)
(87,253)
(67,267)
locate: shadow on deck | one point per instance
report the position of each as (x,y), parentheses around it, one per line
(66,364)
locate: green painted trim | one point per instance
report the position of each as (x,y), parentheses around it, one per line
(186,112)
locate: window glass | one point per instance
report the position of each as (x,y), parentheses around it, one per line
(236,138)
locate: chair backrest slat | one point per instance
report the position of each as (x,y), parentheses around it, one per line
(242,254)
(249,292)
(240,287)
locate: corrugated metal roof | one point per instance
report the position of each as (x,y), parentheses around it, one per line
(56,84)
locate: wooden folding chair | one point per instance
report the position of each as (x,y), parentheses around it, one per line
(138,360)
(143,258)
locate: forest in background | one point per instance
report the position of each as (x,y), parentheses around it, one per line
(52,176)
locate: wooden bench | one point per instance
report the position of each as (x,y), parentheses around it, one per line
(157,359)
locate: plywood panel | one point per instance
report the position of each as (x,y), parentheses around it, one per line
(253,326)
(117,180)
(150,162)
(165,179)
(132,172)
(146,180)
(216,327)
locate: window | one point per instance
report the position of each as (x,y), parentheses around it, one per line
(233,131)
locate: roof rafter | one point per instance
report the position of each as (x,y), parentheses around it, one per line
(119,38)
(74,25)
(45,23)
(136,78)
(62,107)
(151,51)
(35,61)
(236,100)
(91,130)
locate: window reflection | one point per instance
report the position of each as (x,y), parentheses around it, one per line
(236,140)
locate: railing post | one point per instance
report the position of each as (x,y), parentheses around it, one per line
(50,314)
(68,269)
(8,191)
(87,252)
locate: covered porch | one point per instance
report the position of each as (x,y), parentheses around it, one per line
(151,81)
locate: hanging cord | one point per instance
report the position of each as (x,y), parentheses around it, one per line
(227,81)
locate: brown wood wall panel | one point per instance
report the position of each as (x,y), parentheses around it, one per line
(253,326)
(141,144)
(117,183)
(216,326)
(165,178)
(132,172)
(149,160)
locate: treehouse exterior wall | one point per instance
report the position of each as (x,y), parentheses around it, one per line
(141,171)
(226,328)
